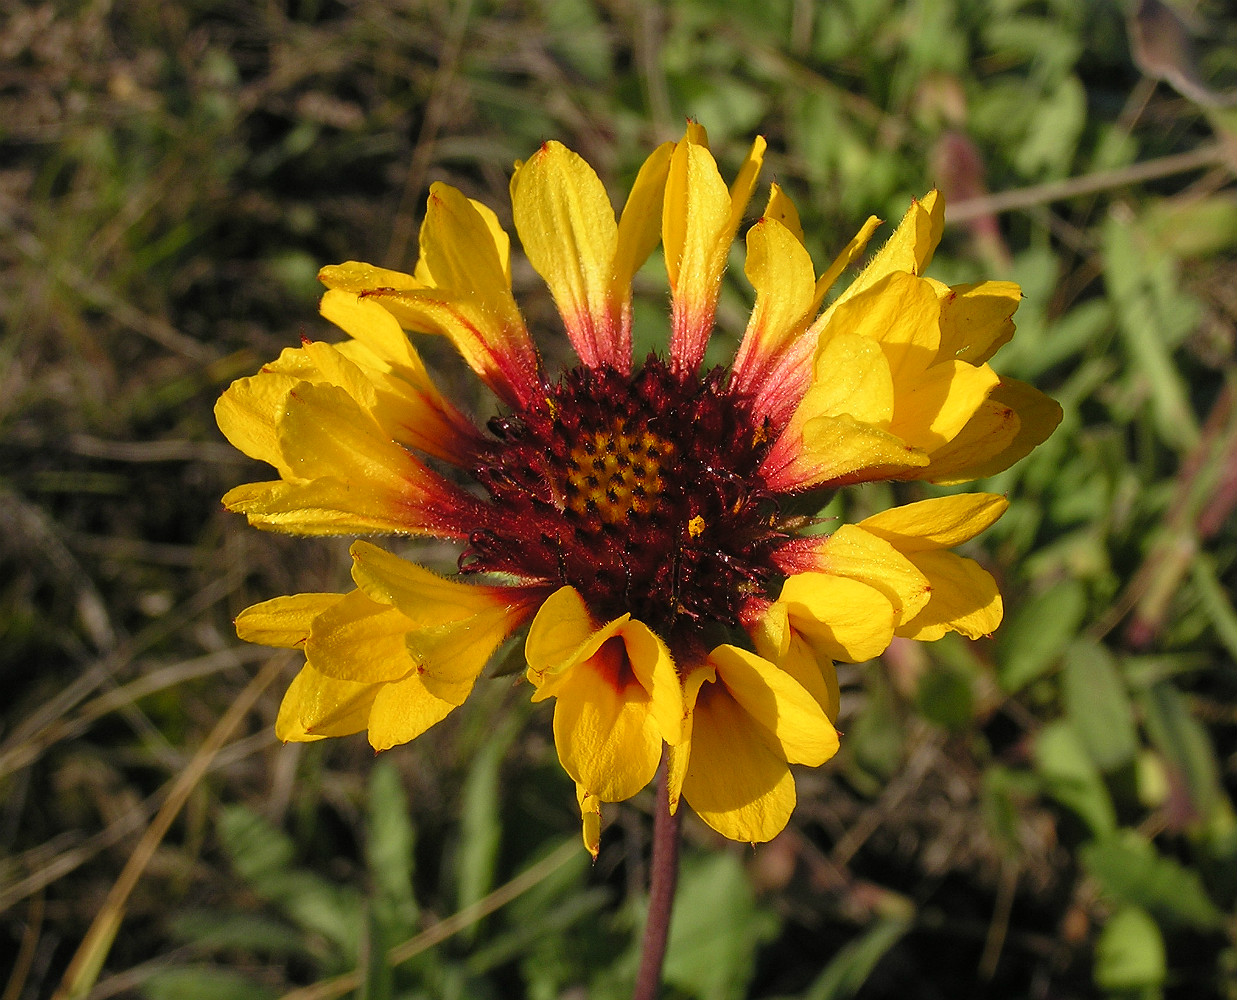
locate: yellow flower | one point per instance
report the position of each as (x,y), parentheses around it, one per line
(634,516)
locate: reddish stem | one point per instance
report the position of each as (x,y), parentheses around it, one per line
(663,877)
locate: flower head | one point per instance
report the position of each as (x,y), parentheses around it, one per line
(638,519)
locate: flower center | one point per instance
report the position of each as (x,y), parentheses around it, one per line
(642,492)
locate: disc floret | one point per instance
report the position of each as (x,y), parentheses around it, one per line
(641,491)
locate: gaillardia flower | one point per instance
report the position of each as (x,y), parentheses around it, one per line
(643,521)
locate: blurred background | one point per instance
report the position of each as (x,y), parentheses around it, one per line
(1046,814)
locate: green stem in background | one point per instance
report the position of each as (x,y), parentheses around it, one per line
(663,877)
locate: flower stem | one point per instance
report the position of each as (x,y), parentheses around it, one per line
(663,877)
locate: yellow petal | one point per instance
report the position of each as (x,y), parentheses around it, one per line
(425,598)
(335,507)
(409,409)
(649,662)
(843,260)
(566,224)
(492,342)
(735,782)
(590,816)
(815,673)
(837,451)
(248,412)
(561,628)
(1038,416)
(403,710)
(283,621)
(977,319)
(324,432)
(902,314)
(838,426)
(677,759)
(744,184)
(909,249)
(965,598)
(782,209)
(454,627)
(852,377)
(939,523)
(935,409)
(605,734)
(639,227)
(778,642)
(861,555)
(654,668)
(678,755)
(991,430)
(780,270)
(360,640)
(796,723)
(457,652)
(502,242)
(696,234)
(329,366)
(842,619)
(347,475)
(458,246)
(470,300)
(317,706)
(356,276)
(368,322)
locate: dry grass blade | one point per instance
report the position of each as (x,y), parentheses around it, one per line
(1076,187)
(92,952)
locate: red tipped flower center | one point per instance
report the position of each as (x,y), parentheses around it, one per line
(640,491)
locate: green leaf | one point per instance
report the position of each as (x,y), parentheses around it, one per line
(1197,227)
(1070,776)
(945,697)
(203,982)
(1130,871)
(1033,638)
(715,929)
(1005,792)
(1052,138)
(379,977)
(1098,705)
(1184,742)
(211,930)
(1129,954)
(875,741)
(262,855)
(389,851)
(481,819)
(850,968)
(1216,601)
(579,36)
(1143,326)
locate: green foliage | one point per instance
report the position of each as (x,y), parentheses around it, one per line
(174,176)
(1131,872)
(1098,706)
(850,968)
(1130,955)
(1037,633)
(715,931)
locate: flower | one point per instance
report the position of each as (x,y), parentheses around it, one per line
(637,519)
